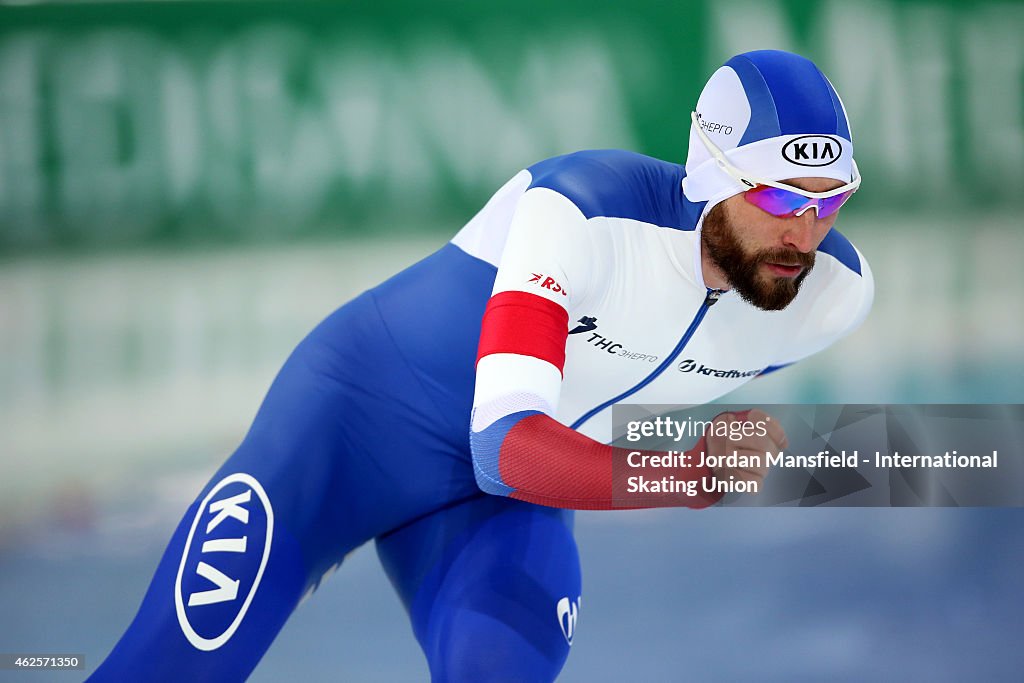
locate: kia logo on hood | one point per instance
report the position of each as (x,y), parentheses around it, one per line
(812,150)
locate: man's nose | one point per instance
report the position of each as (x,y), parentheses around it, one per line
(801,232)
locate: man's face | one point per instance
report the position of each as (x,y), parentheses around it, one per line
(765,258)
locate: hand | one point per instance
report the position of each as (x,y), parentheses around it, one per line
(751,465)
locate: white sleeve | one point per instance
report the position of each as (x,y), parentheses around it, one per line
(543,274)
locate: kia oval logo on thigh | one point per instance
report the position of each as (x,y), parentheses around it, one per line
(812,150)
(225,554)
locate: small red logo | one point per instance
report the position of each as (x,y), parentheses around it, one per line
(548,283)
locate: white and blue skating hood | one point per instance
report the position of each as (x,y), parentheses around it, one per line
(774,114)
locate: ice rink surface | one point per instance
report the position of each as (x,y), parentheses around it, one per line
(669,595)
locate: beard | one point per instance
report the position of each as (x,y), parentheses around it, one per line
(720,239)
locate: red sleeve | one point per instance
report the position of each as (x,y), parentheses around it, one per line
(547,463)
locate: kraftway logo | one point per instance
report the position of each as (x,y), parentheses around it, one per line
(548,283)
(568,611)
(812,150)
(236,534)
(690,365)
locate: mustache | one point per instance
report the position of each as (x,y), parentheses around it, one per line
(789,257)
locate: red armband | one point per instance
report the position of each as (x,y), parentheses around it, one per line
(524,324)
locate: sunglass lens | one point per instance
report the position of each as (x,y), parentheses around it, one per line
(774,200)
(830,205)
(779,202)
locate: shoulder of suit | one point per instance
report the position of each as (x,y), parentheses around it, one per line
(615,183)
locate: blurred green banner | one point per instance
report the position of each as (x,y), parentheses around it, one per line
(173,122)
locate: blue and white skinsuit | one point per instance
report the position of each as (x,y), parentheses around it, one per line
(456,413)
